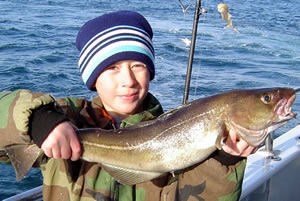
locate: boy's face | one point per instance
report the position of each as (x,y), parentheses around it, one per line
(123,86)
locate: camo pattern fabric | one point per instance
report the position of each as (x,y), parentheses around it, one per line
(15,110)
(85,181)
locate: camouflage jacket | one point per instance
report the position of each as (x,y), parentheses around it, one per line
(86,181)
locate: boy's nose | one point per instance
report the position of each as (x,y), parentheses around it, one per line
(127,77)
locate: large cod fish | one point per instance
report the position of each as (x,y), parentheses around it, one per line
(183,136)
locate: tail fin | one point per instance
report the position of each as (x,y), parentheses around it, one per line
(22,158)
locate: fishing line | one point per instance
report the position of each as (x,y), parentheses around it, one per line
(199,10)
(201,36)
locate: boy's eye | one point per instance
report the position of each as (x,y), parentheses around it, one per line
(112,68)
(138,66)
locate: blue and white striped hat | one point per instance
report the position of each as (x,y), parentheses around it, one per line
(113,37)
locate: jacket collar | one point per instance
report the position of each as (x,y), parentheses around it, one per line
(99,117)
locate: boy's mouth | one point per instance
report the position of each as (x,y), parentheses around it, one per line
(129,97)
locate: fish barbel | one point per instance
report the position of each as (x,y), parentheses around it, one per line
(226,16)
(183,136)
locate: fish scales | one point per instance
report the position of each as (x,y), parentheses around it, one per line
(164,141)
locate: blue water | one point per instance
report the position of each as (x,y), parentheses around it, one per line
(37,51)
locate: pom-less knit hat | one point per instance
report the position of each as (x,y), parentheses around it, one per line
(113,37)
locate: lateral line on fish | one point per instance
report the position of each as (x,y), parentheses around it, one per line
(139,145)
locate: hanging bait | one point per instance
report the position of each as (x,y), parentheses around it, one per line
(224,11)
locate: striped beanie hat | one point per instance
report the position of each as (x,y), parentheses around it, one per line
(113,37)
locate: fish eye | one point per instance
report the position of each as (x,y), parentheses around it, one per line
(266,98)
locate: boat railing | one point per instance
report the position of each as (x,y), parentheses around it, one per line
(272,154)
(34,194)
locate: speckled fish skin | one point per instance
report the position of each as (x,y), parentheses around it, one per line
(188,134)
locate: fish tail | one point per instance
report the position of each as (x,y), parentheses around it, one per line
(22,158)
(235,29)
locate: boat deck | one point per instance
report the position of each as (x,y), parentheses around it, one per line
(274,178)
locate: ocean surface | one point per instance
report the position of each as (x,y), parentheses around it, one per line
(37,51)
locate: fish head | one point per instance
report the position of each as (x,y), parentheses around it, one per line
(259,112)
(222,8)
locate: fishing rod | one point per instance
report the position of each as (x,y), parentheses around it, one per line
(198,12)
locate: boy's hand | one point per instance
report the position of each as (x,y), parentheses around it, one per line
(62,142)
(236,146)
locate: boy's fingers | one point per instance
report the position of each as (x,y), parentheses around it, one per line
(75,156)
(230,145)
(56,151)
(66,152)
(242,146)
(48,152)
(238,147)
(75,147)
(230,148)
(62,142)
(248,151)
(233,136)
(47,148)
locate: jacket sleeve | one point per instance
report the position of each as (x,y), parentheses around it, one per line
(43,120)
(16,108)
(28,117)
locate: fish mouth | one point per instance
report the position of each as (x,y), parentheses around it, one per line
(283,109)
(283,113)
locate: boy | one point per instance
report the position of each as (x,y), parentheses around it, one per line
(116,60)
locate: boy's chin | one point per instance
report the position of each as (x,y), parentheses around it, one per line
(127,110)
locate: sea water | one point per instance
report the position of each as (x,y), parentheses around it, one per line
(37,51)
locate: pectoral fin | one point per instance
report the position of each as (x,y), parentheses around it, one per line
(22,158)
(129,176)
